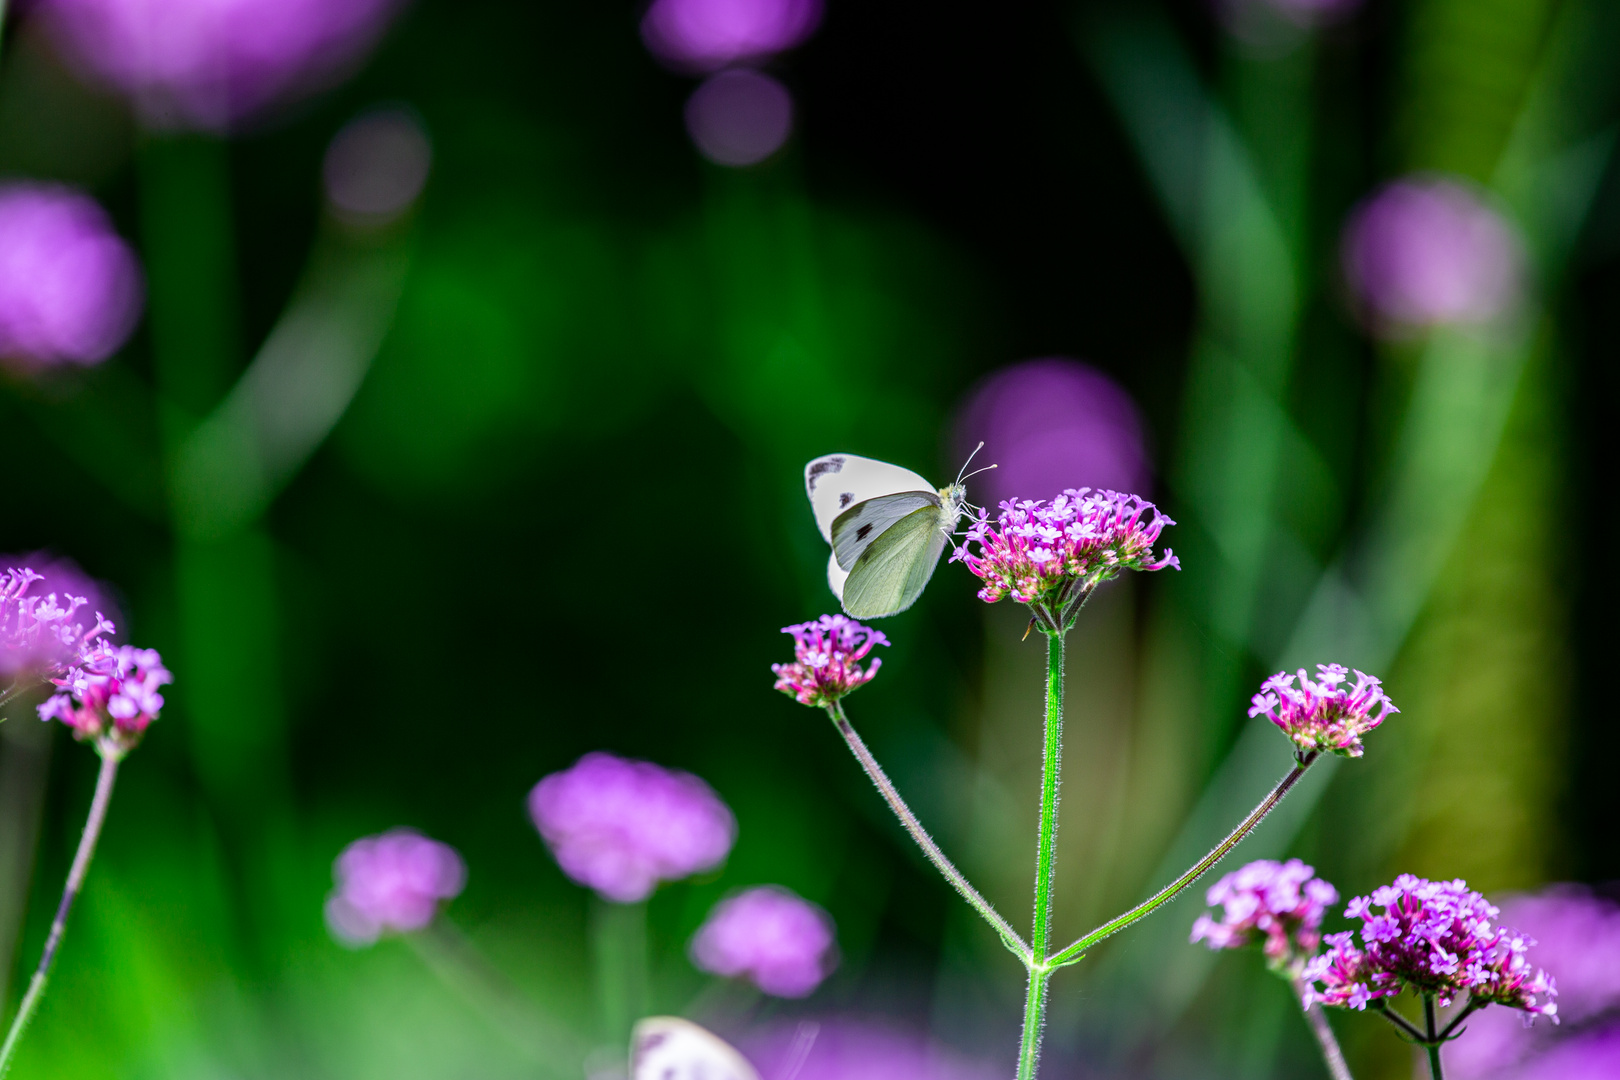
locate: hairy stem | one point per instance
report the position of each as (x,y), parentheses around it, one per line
(1332,1056)
(1197,870)
(1029,1048)
(958,881)
(1402,1024)
(70,892)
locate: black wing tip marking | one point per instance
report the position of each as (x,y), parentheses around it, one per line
(845,499)
(820,467)
(864,531)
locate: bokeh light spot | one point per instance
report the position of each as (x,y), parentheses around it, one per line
(376,166)
(706,35)
(739,117)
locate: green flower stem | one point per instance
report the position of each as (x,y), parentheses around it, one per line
(1402,1024)
(70,892)
(1113,926)
(457,961)
(619,947)
(1316,1018)
(1029,1045)
(959,882)
(1434,1042)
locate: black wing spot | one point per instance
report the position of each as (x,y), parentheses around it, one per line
(860,533)
(820,469)
(845,499)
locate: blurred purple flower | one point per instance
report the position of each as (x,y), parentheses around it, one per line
(827,655)
(1426,251)
(211,64)
(43,633)
(111,696)
(739,117)
(1324,716)
(1578,936)
(376,166)
(1281,904)
(781,943)
(70,288)
(1051,424)
(1587,1056)
(1435,937)
(622,826)
(392,883)
(706,35)
(855,1050)
(1038,553)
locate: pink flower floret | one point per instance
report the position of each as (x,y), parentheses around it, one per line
(827,655)
(1278,904)
(781,943)
(620,827)
(1436,937)
(1036,552)
(392,883)
(1324,716)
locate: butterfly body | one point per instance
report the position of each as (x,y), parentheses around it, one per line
(887,527)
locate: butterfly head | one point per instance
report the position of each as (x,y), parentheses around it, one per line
(953,500)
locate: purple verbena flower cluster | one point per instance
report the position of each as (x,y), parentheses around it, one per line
(780,942)
(1037,552)
(42,635)
(391,883)
(1324,716)
(622,826)
(827,655)
(110,696)
(1436,937)
(1281,904)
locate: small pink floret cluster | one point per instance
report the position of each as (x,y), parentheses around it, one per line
(781,943)
(1036,551)
(1324,716)
(39,635)
(1433,936)
(392,883)
(620,827)
(1279,904)
(111,694)
(827,655)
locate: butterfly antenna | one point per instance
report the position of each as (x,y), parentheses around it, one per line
(969,461)
(804,1040)
(974,473)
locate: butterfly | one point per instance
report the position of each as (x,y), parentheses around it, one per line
(887,527)
(669,1048)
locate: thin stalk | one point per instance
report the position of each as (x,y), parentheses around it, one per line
(1196,871)
(1434,1042)
(619,945)
(456,960)
(1402,1024)
(1332,1056)
(1029,1048)
(1029,1042)
(70,892)
(958,881)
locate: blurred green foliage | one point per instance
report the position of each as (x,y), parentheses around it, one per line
(564,512)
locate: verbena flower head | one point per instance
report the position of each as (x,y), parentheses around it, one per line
(1279,905)
(110,696)
(1324,716)
(70,288)
(781,943)
(827,655)
(1046,554)
(1436,937)
(211,64)
(620,827)
(1577,935)
(42,633)
(392,883)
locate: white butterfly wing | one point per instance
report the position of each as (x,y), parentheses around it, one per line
(893,570)
(855,529)
(836,482)
(669,1048)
